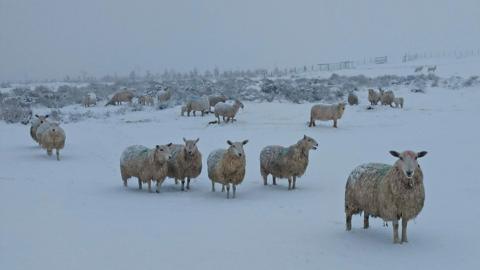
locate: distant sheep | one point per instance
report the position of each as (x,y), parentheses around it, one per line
(227,111)
(352,99)
(373,97)
(198,104)
(40,119)
(432,68)
(326,112)
(51,136)
(164,96)
(398,101)
(146,164)
(286,162)
(90,99)
(418,69)
(146,100)
(387,98)
(213,100)
(186,162)
(227,166)
(123,96)
(385,191)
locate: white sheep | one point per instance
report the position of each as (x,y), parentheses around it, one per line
(227,166)
(352,99)
(213,100)
(387,97)
(40,119)
(432,69)
(398,101)
(119,97)
(198,104)
(146,164)
(326,112)
(373,97)
(51,136)
(286,162)
(90,99)
(186,162)
(227,110)
(146,100)
(385,191)
(418,69)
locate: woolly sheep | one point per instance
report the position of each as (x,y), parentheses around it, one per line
(40,119)
(51,136)
(373,97)
(419,69)
(227,111)
(227,166)
(385,191)
(186,162)
(352,99)
(122,96)
(146,100)
(326,112)
(432,69)
(198,104)
(398,101)
(213,100)
(286,162)
(164,96)
(387,97)
(90,99)
(146,164)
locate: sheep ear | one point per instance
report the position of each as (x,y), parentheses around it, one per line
(304,136)
(421,154)
(229,142)
(157,146)
(184,140)
(170,144)
(36,115)
(196,141)
(245,142)
(394,153)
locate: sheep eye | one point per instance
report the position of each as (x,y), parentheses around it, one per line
(161,150)
(401,158)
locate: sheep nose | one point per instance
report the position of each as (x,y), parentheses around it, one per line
(240,154)
(53,130)
(409,173)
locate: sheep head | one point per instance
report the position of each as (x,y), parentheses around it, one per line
(162,153)
(191,146)
(308,143)
(408,162)
(236,148)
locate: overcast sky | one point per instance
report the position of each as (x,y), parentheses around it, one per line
(52,38)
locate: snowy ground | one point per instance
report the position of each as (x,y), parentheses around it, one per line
(76,214)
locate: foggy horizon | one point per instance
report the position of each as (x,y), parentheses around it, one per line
(53,38)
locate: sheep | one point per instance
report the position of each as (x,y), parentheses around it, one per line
(51,136)
(146,100)
(387,97)
(227,111)
(164,96)
(119,97)
(326,112)
(352,99)
(213,100)
(90,99)
(186,162)
(373,97)
(40,119)
(418,69)
(432,69)
(227,166)
(198,104)
(398,101)
(146,164)
(385,191)
(286,162)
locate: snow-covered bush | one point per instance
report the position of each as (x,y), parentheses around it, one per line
(13,110)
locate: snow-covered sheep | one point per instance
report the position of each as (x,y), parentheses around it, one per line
(122,96)
(198,104)
(373,97)
(90,99)
(146,100)
(326,112)
(164,96)
(51,136)
(227,110)
(387,98)
(213,100)
(418,69)
(146,164)
(40,119)
(385,191)
(186,162)
(227,166)
(352,99)
(286,162)
(398,101)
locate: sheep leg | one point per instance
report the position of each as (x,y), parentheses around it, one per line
(234,190)
(188,182)
(289,183)
(183,184)
(265,179)
(349,221)
(335,123)
(158,186)
(404,230)
(176,181)
(194,113)
(49,151)
(395,231)
(366,224)
(228,191)
(213,186)
(139,184)
(58,154)
(203,113)
(294,182)
(125,182)
(149,182)
(223,187)
(274,180)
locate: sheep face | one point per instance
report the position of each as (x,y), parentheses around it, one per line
(308,143)
(341,108)
(162,153)
(236,148)
(407,162)
(240,104)
(190,146)
(42,118)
